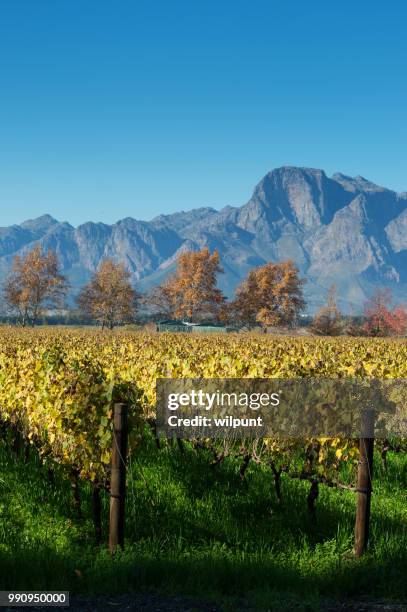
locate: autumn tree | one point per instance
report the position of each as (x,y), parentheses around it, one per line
(192,292)
(270,295)
(160,299)
(34,285)
(109,298)
(383,319)
(328,321)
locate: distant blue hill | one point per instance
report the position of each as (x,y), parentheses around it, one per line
(341,230)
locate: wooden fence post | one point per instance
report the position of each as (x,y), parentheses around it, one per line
(364,483)
(118,477)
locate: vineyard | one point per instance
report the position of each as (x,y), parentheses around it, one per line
(269,511)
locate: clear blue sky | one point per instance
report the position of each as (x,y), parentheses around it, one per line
(114,108)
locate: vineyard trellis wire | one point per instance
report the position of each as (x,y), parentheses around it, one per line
(58,389)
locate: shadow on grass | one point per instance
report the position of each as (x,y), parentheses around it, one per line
(204,533)
(250,508)
(212,575)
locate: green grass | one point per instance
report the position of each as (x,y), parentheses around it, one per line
(201,532)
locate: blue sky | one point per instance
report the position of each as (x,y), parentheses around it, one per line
(114,108)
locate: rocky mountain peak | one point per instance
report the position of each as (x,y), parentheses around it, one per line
(340,229)
(40,224)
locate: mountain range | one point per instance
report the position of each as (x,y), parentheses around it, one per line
(340,229)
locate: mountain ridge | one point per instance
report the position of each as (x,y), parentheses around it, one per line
(339,229)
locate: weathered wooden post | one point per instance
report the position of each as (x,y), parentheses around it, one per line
(118,477)
(364,483)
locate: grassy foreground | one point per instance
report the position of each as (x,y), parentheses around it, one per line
(199,531)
